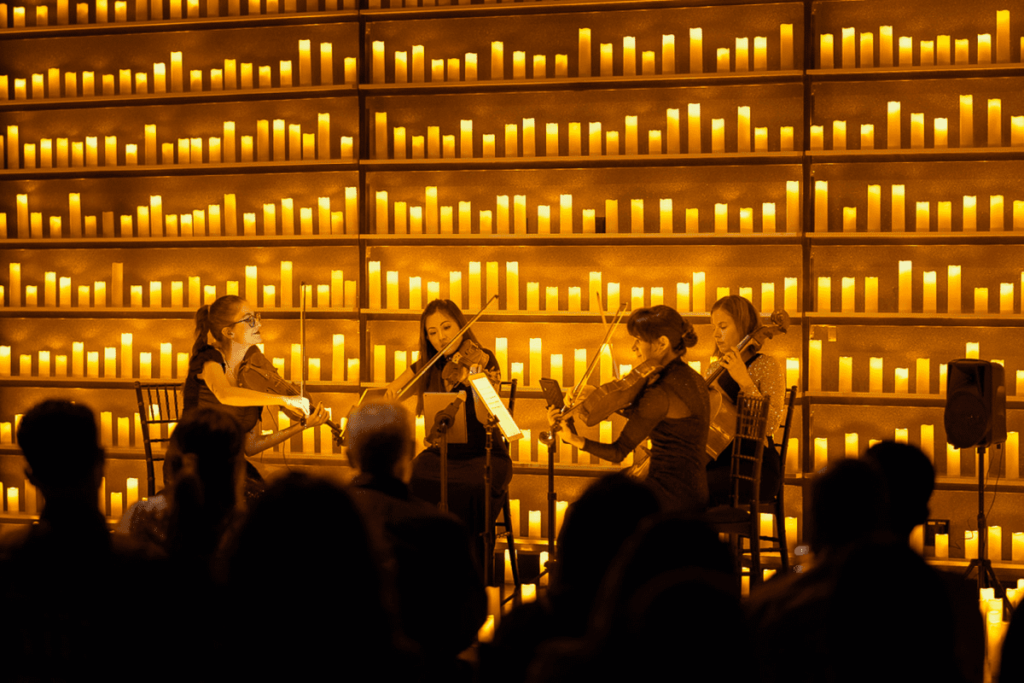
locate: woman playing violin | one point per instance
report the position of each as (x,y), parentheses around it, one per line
(442,321)
(225,331)
(672,410)
(733,318)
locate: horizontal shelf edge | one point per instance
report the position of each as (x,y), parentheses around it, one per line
(916,319)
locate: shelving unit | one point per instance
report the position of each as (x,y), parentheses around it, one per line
(510,206)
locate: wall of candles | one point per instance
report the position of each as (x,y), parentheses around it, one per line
(568,162)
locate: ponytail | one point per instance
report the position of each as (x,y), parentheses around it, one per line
(212,319)
(649,324)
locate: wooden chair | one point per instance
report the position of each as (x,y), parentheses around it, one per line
(777,506)
(506,509)
(741,518)
(159,404)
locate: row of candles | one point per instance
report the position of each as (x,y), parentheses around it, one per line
(153,10)
(275,140)
(900,376)
(600,142)
(387,293)
(905,292)
(232,76)
(512,217)
(851,444)
(214,220)
(120,362)
(922,219)
(941,51)
(57,292)
(940,135)
(454,69)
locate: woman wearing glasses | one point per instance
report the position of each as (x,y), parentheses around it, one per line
(225,330)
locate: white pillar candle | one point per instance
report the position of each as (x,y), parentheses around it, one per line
(967,121)
(845,374)
(875,368)
(953,291)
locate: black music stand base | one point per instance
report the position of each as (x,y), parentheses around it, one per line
(986,576)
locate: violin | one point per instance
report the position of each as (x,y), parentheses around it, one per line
(468,354)
(618,395)
(723,412)
(256,372)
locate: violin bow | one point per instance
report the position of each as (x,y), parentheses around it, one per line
(604,321)
(302,338)
(593,362)
(440,353)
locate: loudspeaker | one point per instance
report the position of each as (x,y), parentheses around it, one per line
(975,403)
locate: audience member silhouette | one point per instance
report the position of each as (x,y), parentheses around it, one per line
(65,583)
(909,479)
(595,527)
(205,502)
(426,553)
(868,608)
(668,608)
(305,583)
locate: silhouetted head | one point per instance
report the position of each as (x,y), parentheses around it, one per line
(205,462)
(59,441)
(909,478)
(380,440)
(595,527)
(848,505)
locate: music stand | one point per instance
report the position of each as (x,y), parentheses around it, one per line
(499,417)
(449,411)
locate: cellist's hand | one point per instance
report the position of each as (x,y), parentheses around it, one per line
(732,361)
(299,403)
(317,417)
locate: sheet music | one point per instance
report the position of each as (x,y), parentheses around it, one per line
(484,390)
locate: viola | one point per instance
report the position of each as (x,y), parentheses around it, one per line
(723,412)
(468,355)
(256,372)
(618,395)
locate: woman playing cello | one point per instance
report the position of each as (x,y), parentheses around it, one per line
(441,322)
(733,318)
(672,410)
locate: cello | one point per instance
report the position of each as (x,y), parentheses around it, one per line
(723,413)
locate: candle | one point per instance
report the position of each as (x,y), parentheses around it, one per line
(827,58)
(893,126)
(984,48)
(929,297)
(693,128)
(789,294)
(722,59)
(867,50)
(846,374)
(820,453)
(77,359)
(1013,458)
(899,210)
(953,289)
(852,445)
(849,42)
(821,206)
(901,380)
(867,136)
(1006,297)
(905,286)
(786,46)
(906,47)
(995,130)
(981,300)
(534,524)
(814,365)
(966,120)
(875,368)
(923,213)
(885,45)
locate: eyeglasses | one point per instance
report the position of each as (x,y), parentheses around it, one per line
(251,320)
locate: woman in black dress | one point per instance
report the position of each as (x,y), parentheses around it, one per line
(671,410)
(442,321)
(225,331)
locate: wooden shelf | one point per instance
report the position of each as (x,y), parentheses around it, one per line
(214,242)
(916,319)
(157,170)
(580,239)
(181,98)
(900,73)
(129,384)
(584,83)
(603,161)
(888,399)
(915,238)
(828,156)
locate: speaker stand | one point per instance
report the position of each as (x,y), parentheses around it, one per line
(986,577)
